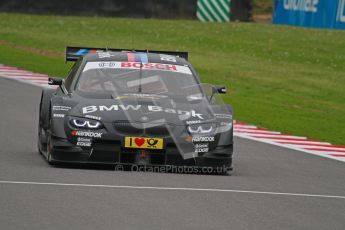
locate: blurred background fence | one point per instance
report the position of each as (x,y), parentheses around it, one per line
(168,9)
(310,13)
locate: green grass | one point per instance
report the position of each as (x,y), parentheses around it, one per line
(283,78)
(262,6)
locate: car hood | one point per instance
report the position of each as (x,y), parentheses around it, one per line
(144,109)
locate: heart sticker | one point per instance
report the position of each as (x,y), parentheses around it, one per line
(139,141)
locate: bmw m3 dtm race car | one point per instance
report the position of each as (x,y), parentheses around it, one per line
(135,107)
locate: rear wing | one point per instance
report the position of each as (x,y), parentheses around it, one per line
(73,53)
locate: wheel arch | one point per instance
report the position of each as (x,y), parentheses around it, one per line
(44,109)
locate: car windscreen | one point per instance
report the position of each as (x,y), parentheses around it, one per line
(136,77)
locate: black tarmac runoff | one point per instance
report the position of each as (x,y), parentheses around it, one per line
(270,188)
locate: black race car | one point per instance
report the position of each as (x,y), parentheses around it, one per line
(134,107)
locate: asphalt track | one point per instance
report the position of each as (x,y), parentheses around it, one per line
(270,188)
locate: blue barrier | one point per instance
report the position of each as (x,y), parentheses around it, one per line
(310,13)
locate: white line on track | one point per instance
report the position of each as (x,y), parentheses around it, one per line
(172,189)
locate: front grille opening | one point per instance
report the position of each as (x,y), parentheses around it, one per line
(139,129)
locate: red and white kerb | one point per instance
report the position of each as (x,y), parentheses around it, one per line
(241,129)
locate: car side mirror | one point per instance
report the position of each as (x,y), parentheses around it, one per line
(221,89)
(55,81)
(58,81)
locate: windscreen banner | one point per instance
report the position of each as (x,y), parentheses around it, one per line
(310,13)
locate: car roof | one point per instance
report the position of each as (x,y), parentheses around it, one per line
(135,57)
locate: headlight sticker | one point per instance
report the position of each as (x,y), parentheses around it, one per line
(83,123)
(201,129)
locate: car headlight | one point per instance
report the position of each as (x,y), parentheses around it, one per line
(85,123)
(224,127)
(201,128)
